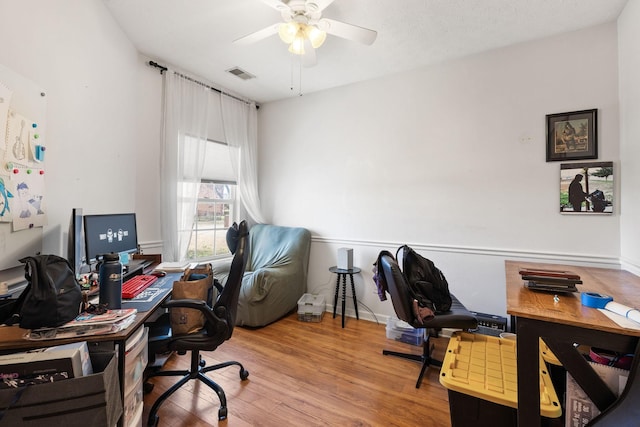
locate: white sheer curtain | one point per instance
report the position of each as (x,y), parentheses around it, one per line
(240,121)
(184,136)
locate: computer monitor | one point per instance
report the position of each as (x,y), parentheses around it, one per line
(110,233)
(75,243)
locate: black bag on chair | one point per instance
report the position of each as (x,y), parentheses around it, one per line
(52,296)
(429,285)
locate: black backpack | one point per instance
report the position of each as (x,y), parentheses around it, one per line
(429,285)
(52,296)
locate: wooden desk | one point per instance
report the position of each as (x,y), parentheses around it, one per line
(12,337)
(563,323)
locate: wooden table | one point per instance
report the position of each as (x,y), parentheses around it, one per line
(564,322)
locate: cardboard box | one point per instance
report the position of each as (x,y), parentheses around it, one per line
(580,409)
(92,400)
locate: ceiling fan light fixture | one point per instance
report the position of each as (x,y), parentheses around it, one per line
(297,45)
(288,31)
(315,35)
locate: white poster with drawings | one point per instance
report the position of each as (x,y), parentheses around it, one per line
(22,147)
(27,204)
(25,185)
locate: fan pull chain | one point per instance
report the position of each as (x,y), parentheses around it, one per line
(300,77)
(292,64)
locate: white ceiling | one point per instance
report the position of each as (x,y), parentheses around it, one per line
(197,37)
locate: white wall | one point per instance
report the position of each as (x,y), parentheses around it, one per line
(628,36)
(147,142)
(95,86)
(449,159)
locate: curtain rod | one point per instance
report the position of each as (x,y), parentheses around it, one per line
(163,69)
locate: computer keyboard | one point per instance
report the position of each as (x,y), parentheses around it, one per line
(137,284)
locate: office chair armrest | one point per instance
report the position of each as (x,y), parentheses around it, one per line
(196,304)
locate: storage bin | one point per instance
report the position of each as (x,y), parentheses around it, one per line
(480,374)
(400,330)
(92,400)
(136,359)
(133,402)
(136,420)
(311,308)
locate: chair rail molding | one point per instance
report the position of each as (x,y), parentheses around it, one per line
(597,260)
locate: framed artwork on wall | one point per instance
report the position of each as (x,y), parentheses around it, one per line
(572,136)
(586,188)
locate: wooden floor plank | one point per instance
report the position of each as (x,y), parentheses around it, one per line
(308,374)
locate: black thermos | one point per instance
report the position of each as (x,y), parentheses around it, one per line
(110,272)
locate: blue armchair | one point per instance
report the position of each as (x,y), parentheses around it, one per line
(275,276)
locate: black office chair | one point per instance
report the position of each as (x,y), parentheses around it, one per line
(458,317)
(220,321)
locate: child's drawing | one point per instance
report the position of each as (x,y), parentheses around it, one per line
(27,205)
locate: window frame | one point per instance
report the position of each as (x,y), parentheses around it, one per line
(196,231)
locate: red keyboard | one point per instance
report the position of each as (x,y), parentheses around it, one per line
(137,284)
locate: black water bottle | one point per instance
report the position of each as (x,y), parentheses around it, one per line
(110,272)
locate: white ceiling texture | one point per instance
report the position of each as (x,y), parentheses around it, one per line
(197,37)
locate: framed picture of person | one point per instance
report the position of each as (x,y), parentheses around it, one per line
(572,136)
(586,188)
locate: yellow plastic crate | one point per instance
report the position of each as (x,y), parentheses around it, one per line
(548,355)
(485,367)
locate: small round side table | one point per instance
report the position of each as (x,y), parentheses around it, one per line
(343,273)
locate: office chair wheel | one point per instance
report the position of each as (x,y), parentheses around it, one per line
(153,421)
(244,374)
(222,414)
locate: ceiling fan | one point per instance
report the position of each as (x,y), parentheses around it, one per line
(304,29)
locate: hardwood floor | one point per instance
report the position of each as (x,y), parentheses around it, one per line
(309,374)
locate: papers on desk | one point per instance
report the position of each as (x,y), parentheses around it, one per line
(620,320)
(87,324)
(174,267)
(623,310)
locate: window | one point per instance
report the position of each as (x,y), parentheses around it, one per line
(216,208)
(215,212)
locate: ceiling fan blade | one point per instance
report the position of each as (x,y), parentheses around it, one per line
(348,31)
(276,4)
(321,4)
(258,35)
(309,58)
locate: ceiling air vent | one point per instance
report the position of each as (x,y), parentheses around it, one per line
(239,72)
